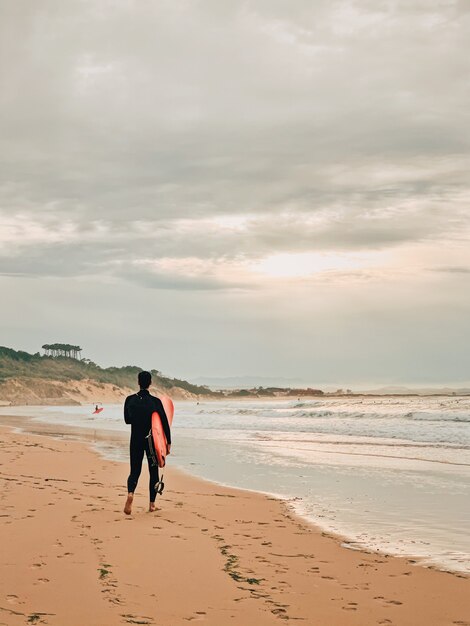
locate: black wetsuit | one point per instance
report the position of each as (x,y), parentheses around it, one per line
(138,410)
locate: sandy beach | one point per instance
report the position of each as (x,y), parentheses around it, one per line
(210,554)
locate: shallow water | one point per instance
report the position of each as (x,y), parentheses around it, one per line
(388,473)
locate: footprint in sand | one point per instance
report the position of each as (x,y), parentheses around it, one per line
(134,619)
(197,617)
(279,612)
(395,602)
(13,599)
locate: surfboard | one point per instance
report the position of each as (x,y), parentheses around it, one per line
(158,435)
(97,410)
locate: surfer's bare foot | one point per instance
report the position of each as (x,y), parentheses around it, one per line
(152,507)
(128,505)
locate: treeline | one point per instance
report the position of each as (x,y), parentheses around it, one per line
(273,392)
(16,363)
(62,349)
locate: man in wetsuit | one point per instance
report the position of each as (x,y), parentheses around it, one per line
(138,410)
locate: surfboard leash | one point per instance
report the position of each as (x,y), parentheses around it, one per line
(153,454)
(160,486)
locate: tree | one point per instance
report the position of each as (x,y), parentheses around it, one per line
(62,349)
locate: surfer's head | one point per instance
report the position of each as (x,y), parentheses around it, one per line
(145,379)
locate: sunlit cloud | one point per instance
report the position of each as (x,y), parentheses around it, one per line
(305,264)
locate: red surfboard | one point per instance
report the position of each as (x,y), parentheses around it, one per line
(97,411)
(158,435)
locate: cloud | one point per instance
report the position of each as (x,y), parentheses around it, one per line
(187,109)
(452,270)
(175,248)
(182,146)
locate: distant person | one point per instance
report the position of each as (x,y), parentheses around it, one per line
(138,410)
(96,409)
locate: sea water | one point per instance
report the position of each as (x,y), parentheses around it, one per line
(387,473)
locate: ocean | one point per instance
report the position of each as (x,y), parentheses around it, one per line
(387,473)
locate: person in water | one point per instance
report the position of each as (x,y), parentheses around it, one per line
(138,410)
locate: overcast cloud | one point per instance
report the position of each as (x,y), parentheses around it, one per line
(282,187)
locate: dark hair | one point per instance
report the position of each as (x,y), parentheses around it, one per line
(145,379)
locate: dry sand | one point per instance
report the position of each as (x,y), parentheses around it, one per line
(209,555)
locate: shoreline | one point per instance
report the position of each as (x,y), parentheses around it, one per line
(117,395)
(263,561)
(92,438)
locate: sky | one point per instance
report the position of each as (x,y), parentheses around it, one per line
(242,188)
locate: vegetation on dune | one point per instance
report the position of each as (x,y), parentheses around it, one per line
(16,363)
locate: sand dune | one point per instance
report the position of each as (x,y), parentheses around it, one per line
(46,392)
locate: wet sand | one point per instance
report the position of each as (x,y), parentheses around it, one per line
(209,554)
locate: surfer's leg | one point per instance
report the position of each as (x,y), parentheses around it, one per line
(128,505)
(153,479)
(136,452)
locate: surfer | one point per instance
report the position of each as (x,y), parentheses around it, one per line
(138,409)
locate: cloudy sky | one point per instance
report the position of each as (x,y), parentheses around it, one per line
(252,187)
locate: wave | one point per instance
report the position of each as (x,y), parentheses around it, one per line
(345,441)
(302,411)
(371,454)
(441,417)
(410,415)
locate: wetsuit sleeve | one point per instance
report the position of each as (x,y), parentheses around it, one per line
(165,424)
(127,414)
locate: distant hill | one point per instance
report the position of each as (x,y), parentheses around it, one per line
(247,382)
(36,379)
(424,391)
